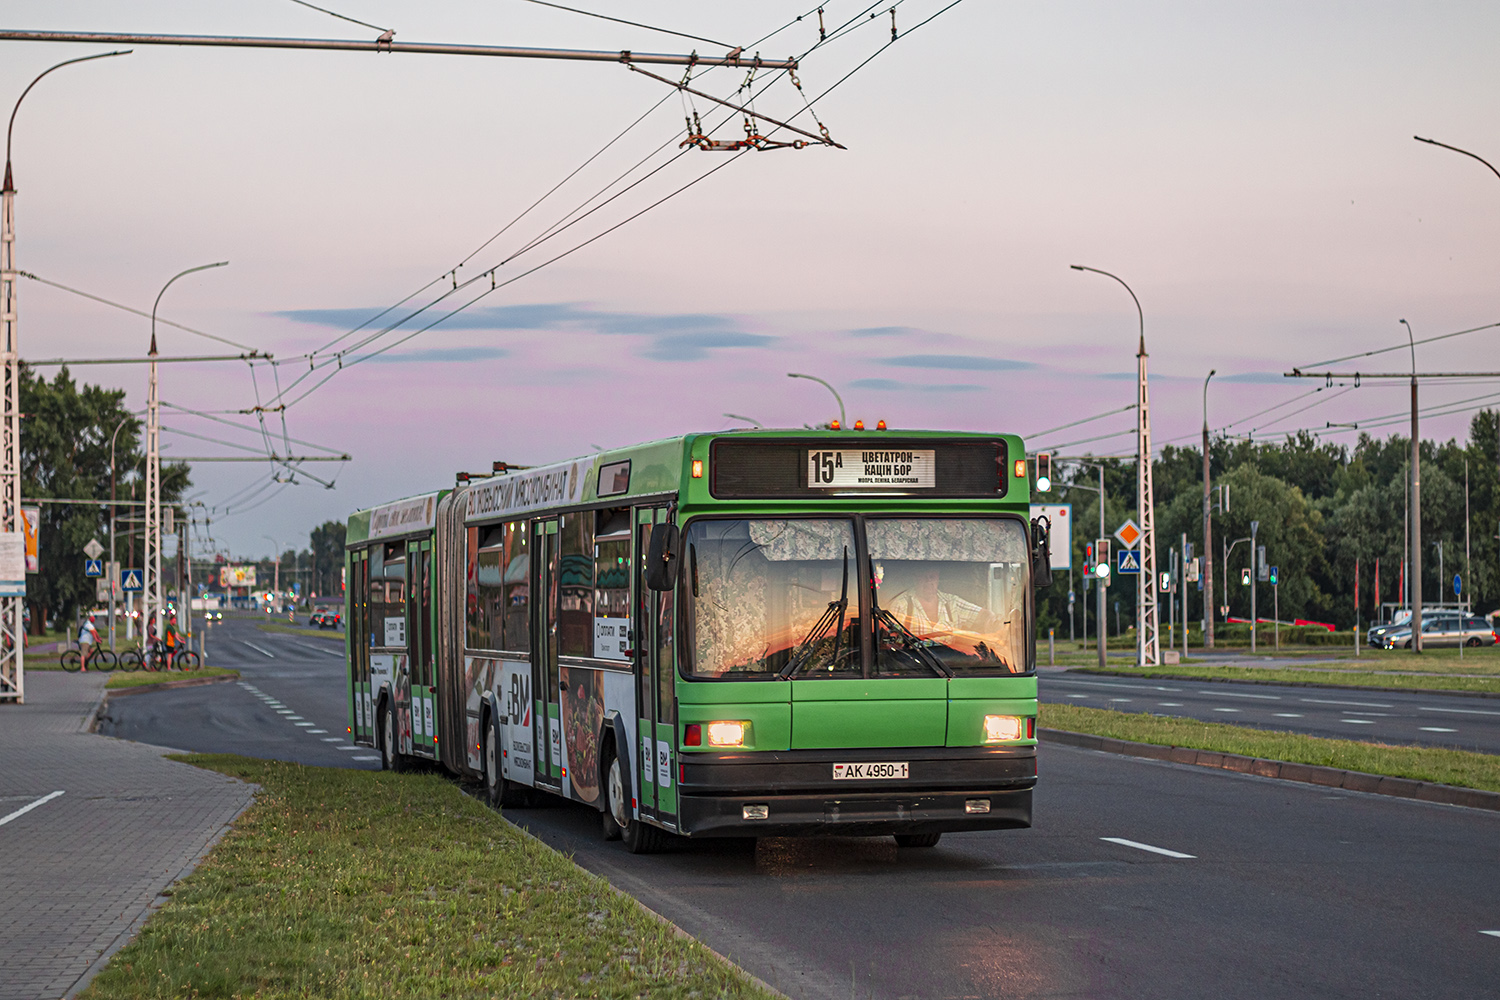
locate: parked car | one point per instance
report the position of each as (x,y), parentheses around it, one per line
(1402,623)
(1471,630)
(326,618)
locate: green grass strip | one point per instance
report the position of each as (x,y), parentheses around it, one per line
(365,884)
(145,678)
(1448,767)
(1307,678)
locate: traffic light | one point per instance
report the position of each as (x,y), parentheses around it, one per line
(1043,472)
(1101,550)
(1166,583)
(1273,576)
(1245,577)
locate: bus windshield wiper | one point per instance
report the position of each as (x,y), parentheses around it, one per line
(909,641)
(833,613)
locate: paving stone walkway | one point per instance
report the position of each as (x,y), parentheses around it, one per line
(80,872)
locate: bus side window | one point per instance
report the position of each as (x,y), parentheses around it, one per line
(575,617)
(666,656)
(516,583)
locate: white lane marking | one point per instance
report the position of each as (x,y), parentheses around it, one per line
(1075,696)
(1356,704)
(1110,684)
(1437,729)
(1113,700)
(334,739)
(303,723)
(258,649)
(1288,715)
(1229,694)
(1170,704)
(1226,710)
(1456,711)
(294,718)
(1360,722)
(1378,715)
(30,806)
(284,711)
(376,757)
(1491,933)
(1146,847)
(320,731)
(318,649)
(348,748)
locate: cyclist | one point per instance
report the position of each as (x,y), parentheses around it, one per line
(88,640)
(171,640)
(153,644)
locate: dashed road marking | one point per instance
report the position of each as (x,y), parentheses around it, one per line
(1170,704)
(284,711)
(1226,710)
(1360,722)
(30,806)
(1491,933)
(1146,847)
(376,757)
(319,731)
(303,723)
(1356,704)
(259,649)
(1076,696)
(1228,694)
(1288,715)
(1456,711)
(1437,729)
(351,748)
(333,739)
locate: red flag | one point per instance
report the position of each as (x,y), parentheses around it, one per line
(1356,588)
(1376,613)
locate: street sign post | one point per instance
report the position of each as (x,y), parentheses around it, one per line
(1129,561)
(93,567)
(130,580)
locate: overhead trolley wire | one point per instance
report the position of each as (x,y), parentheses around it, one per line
(1399,347)
(633,24)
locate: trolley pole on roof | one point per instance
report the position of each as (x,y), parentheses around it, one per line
(12,614)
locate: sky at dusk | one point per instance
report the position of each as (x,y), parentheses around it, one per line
(1248,168)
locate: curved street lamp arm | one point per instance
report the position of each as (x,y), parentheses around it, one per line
(1211,373)
(1138,311)
(1475,156)
(179,274)
(33,83)
(1413,342)
(842,418)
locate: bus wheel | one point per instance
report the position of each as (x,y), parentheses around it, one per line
(917,839)
(616,809)
(391,759)
(494,781)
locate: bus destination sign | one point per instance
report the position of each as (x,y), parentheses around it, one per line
(864,469)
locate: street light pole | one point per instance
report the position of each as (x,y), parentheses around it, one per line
(1208,532)
(1415,576)
(843,420)
(152,599)
(12,611)
(1148,623)
(114,556)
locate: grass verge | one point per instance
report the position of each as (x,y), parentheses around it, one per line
(145,678)
(1449,767)
(368,884)
(316,633)
(1310,678)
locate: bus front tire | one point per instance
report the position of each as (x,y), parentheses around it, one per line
(918,839)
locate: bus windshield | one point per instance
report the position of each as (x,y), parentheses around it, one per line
(781,597)
(950,595)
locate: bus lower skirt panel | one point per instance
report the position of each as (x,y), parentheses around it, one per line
(870,814)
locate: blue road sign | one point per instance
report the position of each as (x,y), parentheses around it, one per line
(1129,560)
(1458,585)
(93,567)
(130,579)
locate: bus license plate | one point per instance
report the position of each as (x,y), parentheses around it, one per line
(865,772)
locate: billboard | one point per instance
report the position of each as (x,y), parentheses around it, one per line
(236,576)
(31,517)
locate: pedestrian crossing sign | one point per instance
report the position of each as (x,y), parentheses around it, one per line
(1129,560)
(93,567)
(130,579)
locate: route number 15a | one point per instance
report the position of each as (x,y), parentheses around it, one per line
(823,464)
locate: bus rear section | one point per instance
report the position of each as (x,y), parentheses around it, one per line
(856,674)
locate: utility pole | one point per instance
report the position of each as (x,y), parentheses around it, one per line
(1254,577)
(1208,532)
(1416,505)
(12,603)
(1184,596)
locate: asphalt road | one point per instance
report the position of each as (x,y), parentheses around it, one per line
(1270,888)
(288,704)
(1383,716)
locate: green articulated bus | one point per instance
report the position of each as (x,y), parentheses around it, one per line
(775,633)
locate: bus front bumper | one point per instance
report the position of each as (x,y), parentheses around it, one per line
(794,793)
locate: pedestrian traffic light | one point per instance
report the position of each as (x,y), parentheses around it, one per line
(1043,472)
(1245,577)
(1273,576)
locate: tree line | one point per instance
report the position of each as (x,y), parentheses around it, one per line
(1320,506)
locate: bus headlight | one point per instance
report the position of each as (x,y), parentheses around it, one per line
(1002,728)
(728,734)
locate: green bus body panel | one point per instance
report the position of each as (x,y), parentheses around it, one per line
(836,725)
(872,689)
(358,529)
(655,467)
(735,692)
(993,687)
(966,718)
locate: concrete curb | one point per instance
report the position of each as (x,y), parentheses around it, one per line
(1329,777)
(1096,672)
(186,682)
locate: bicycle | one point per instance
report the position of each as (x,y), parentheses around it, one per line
(149,659)
(97,657)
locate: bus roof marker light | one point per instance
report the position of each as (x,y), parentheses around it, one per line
(833,425)
(880,425)
(859,425)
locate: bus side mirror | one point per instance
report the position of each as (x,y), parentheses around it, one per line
(1041,552)
(662,557)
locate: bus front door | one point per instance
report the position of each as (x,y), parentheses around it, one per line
(424,742)
(656,670)
(546,548)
